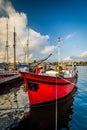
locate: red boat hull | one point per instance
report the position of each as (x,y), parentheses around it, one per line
(43,89)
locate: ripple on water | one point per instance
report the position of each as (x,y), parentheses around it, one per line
(77,118)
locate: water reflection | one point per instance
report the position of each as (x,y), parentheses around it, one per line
(12,107)
(44,117)
(72,111)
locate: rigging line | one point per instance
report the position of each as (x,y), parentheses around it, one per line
(54,51)
(19,39)
(20,42)
(56,108)
(66,80)
(85,90)
(39,62)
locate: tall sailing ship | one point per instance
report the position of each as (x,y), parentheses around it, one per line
(7,69)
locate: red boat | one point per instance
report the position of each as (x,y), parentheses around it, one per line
(49,86)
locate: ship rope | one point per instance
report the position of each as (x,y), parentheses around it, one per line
(66,80)
(25,107)
(85,90)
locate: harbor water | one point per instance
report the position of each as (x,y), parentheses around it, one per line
(70,113)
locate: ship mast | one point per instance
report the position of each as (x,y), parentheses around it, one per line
(58,49)
(14,46)
(27,46)
(7,43)
(27,50)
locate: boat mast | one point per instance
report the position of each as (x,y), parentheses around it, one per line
(14,46)
(27,50)
(58,50)
(7,42)
(27,46)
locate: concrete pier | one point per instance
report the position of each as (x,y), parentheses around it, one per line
(10,82)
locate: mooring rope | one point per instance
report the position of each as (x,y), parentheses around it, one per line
(85,90)
(21,108)
(14,108)
(25,107)
(67,80)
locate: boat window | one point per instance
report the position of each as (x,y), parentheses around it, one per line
(33,86)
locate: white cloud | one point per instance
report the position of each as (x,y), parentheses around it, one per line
(48,49)
(70,35)
(83,55)
(6,8)
(36,39)
(67,59)
(19,20)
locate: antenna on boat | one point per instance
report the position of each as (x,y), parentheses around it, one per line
(14,46)
(7,42)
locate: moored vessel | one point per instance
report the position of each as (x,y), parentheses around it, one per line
(43,88)
(49,85)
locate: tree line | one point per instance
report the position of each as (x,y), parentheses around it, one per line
(80,63)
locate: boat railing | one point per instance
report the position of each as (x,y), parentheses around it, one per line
(67,72)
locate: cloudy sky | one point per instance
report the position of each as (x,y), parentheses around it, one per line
(42,22)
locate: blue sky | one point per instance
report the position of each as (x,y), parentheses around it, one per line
(59,18)
(66,19)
